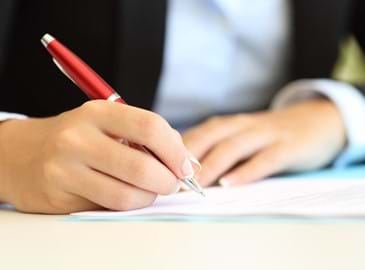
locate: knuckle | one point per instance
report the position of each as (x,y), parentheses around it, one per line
(68,139)
(94,107)
(152,125)
(52,170)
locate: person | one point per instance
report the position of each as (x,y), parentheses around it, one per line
(250,80)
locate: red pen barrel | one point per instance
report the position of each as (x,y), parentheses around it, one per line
(83,76)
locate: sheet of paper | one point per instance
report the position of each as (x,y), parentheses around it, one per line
(275,197)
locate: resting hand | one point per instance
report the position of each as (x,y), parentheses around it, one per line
(246,147)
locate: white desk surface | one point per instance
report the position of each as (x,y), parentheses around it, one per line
(48,242)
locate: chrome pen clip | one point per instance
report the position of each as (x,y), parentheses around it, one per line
(63,71)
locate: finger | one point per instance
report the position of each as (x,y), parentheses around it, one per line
(231,151)
(193,160)
(60,203)
(74,203)
(130,165)
(108,192)
(144,128)
(199,140)
(268,162)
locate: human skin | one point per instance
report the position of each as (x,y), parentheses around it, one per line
(75,161)
(242,148)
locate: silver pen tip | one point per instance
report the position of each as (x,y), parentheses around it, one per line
(194,185)
(46,39)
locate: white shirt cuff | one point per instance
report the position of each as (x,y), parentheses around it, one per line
(7,116)
(349,101)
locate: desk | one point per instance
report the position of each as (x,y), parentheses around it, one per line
(49,242)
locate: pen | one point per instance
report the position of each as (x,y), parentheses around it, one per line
(92,84)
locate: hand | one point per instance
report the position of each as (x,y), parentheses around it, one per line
(247,147)
(74,161)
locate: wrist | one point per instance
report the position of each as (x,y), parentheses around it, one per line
(348,100)
(6,139)
(20,141)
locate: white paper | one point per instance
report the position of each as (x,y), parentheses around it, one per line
(344,197)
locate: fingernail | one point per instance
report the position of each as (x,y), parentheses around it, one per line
(187,168)
(224,182)
(196,162)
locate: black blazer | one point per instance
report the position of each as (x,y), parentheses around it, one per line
(124,41)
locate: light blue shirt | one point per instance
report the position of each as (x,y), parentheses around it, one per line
(222,56)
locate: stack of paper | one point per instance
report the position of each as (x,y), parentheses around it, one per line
(275,197)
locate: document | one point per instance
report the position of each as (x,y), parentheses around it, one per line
(274,197)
